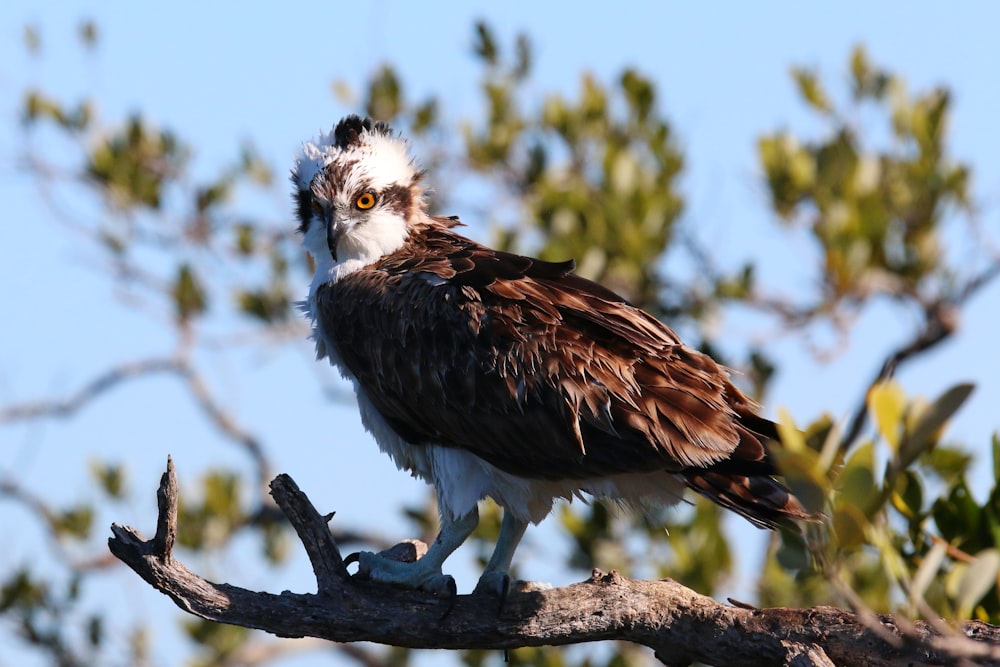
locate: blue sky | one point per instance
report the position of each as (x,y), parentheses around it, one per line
(220,73)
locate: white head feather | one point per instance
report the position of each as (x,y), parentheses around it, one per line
(331,172)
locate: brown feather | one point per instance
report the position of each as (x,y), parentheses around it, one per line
(544,374)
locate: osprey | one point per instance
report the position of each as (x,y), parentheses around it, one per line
(492,375)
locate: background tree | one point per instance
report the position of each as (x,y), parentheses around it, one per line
(590,172)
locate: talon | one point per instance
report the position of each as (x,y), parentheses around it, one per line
(353,557)
(496,584)
(414,575)
(442,586)
(504,590)
(449,595)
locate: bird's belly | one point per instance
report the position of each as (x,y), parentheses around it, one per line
(461,479)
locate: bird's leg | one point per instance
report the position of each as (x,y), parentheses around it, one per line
(495,578)
(424,573)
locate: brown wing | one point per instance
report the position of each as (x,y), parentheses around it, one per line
(538,371)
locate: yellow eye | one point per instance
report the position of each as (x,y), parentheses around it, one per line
(365,200)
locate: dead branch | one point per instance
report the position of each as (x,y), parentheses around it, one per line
(680,625)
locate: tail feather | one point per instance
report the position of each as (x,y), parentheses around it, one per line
(745,482)
(760,499)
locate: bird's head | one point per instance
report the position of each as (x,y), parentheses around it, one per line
(356,191)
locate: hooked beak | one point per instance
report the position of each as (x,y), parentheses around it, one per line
(333,234)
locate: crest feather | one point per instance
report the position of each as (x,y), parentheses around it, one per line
(369,149)
(350,129)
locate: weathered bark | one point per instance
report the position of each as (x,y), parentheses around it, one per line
(680,625)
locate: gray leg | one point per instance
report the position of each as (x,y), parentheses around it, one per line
(495,578)
(425,573)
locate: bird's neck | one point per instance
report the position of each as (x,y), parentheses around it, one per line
(367,244)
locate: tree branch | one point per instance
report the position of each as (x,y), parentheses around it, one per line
(91,390)
(941,320)
(680,625)
(940,323)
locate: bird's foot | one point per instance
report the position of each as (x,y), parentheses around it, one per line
(418,575)
(494,582)
(500,585)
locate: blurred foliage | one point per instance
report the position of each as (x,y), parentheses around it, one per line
(43,614)
(218,643)
(884,527)
(135,163)
(877,214)
(595,176)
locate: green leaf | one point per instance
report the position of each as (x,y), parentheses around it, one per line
(385,95)
(245,233)
(87,31)
(887,403)
(996,456)
(212,195)
(893,563)
(811,90)
(800,472)
(850,526)
(925,432)
(793,553)
(32,39)
(522,57)
(639,93)
(74,522)
(860,70)
(222,639)
(947,462)
(95,630)
(269,305)
(789,434)
(928,570)
(485,45)
(978,579)
(826,436)
(189,296)
(908,495)
(23,592)
(957,515)
(425,115)
(110,477)
(856,484)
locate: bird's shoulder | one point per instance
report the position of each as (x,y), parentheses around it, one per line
(440,269)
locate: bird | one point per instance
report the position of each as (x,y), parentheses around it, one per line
(489,374)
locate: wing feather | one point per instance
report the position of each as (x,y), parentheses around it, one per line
(543,373)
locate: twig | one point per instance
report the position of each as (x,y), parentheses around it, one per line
(93,389)
(225,423)
(940,322)
(176,365)
(48,517)
(964,649)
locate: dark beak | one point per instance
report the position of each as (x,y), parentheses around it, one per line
(332,237)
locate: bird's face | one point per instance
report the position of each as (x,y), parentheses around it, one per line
(356,191)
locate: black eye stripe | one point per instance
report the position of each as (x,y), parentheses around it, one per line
(303,208)
(398,198)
